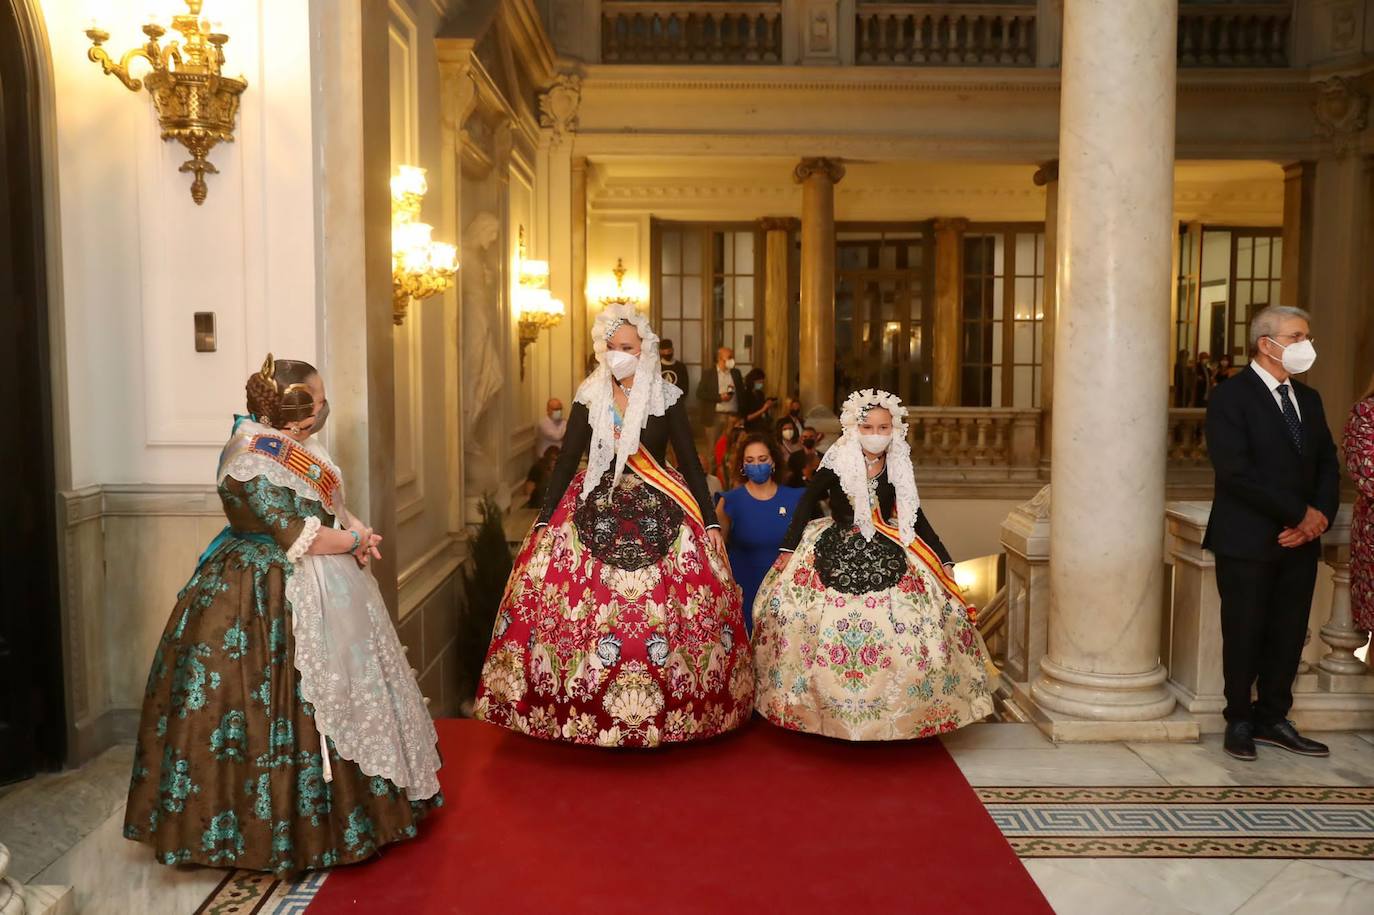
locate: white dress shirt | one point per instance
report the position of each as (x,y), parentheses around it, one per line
(1273,383)
(725,380)
(551,433)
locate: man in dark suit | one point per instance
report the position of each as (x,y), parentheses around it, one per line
(720,389)
(1277,489)
(674,372)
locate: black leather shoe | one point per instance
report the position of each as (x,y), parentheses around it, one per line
(1240,741)
(1282,734)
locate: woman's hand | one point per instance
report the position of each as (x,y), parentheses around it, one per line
(781,562)
(717,541)
(368,541)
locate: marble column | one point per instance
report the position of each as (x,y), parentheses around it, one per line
(1047,176)
(1297,232)
(1115,232)
(945,350)
(777,329)
(818,178)
(1341,282)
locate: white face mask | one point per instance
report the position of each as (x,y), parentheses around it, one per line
(789,433)
(875,444)
(621,364)
(556,415)
(729,364)
(1297,357)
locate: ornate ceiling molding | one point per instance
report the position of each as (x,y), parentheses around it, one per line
(558,106)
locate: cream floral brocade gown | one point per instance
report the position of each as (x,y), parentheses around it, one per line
(857,639)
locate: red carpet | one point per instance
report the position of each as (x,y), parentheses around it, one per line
(764,821)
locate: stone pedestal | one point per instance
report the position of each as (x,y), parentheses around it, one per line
(1115,237)
(818,178)
(1193,652)
(1026,542)
(946,348)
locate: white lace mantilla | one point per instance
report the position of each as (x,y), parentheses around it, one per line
(649,396)
(846,459)
(352,665)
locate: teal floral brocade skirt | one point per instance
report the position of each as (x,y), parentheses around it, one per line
(228,768)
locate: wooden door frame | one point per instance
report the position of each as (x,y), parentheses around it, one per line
(25,171)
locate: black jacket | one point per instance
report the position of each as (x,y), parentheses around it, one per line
(1263,482)
(676,373)
(657,433)
(825,484)
(709,390)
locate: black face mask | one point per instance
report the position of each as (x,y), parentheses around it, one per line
(808,443)
(665,357)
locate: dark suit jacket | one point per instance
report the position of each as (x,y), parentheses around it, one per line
(1263,482)
(709,389)
(826,484)
(658,431)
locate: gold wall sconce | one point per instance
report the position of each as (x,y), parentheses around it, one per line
(614,290)
(196,104)
(535,305)
(420,266)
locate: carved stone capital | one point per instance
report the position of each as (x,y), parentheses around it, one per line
(458,96)
(558,106)
(779,223)
(1341,110)
(1047,173)
(810,168)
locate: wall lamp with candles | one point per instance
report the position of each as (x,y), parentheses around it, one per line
(535,305)
(420,266)
(195,103)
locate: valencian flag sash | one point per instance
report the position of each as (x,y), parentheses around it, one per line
(652,472)
(300,462)
(927,557)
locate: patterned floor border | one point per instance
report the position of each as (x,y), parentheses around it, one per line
(253,893)
(1106,822)
(1185,822)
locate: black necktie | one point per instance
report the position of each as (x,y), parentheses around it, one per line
(1290,416)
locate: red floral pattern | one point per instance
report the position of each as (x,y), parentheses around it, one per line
(588,652)
(1359,463)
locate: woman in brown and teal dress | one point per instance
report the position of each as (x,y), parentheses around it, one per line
(282,728)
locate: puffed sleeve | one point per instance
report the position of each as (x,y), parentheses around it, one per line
(926,532)
(576,437)
(808,507)
(1358,445)
(688,464)
(258,505)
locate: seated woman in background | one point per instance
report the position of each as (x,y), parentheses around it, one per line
(860,631)
(282,727)
(755,515)
(537,480)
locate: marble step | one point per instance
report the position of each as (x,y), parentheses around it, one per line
(49,900)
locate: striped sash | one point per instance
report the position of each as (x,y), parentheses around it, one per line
(653,473)
(300,462)
(927,557)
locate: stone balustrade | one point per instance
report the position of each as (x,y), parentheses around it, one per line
(1334,689)
(945,34)
(699,33)
(1234,34)
(979,441)
(1188,438)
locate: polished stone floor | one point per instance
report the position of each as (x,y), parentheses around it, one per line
(65,829)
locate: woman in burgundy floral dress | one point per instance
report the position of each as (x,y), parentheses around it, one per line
(621,624)
(1359,463)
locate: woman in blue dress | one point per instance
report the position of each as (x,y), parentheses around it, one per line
(755,515)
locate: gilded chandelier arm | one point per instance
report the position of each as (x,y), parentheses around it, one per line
(121,69)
